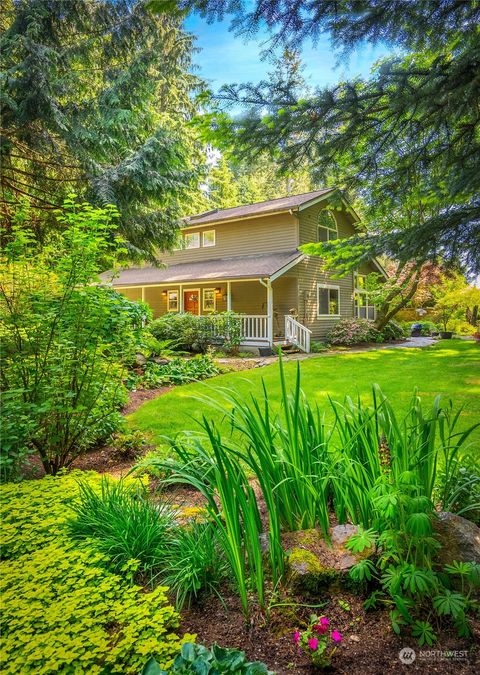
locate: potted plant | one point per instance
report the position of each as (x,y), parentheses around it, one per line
(445,314)
(476,335)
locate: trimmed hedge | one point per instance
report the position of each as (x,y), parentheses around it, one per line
(63,611)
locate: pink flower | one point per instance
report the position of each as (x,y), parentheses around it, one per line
(296,637)
(313,643)
(322,626)
(336,636)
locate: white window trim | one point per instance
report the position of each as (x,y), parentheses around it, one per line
(328,316)
(329,229)
(191,234)
(362,291)
(169,309)
(214,300)
(214,238)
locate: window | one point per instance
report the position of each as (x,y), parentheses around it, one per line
(192,240)
(172,301)
(208,299)
(328,299)
(364,308)
(327,226)
(209,238)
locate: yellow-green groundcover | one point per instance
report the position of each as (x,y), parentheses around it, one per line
(62,610)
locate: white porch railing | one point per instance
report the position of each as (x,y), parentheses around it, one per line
(297,334)
(255,328)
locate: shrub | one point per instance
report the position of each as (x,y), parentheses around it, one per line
(123,523)
(458,489)
(129,445)
(62,337)
(198,659)
(63,611)
(349,332)
(178,371)
(194,563)
(317,347)
(196,333)
(392,331)
(428,327)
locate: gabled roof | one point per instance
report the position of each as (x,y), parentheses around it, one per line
(283,204)
(235,267)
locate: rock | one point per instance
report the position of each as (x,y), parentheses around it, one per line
(313,563)
(459,537)
(161,361)
(140,359)
(354,638)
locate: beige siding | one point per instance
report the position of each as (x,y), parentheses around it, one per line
(285,298)
(249,297)
(310,273)
(269,234)
(131,293)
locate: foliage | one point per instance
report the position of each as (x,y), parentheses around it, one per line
(77,615)
(198,659)
(193,564)
(416,164)
(194,332)
(353,332)
(129,445)
(177,371)
(392,331)
(456,299)
(458,488)
(317,347)
(318,640)
(121,521)
(428,327)
(99,95)
(63,337)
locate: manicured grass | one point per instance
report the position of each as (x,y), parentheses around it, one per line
(450,368)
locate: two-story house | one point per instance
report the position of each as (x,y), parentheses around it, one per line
(247,259)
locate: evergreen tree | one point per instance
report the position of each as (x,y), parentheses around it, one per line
(95,99)
(407,138)
(222,188)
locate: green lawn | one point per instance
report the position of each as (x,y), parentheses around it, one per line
(451,368)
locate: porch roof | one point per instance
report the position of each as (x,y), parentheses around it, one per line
(218,269)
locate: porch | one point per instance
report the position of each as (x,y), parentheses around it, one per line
(264,293)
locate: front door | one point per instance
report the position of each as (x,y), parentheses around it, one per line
(191,301)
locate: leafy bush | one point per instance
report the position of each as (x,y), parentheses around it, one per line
(62,610)
(177,371)
(349,332)
(123,523)
(193,563)
(317,347)
(458,489)
(62,338)
(198,659)
(129,445)
(196,333)
(428,327)
(392,331)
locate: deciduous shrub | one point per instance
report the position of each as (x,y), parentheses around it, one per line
(196,333)
(392,331)
(353,332)
(63,610)
(63,338)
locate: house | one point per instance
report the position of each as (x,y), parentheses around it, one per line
(247,259)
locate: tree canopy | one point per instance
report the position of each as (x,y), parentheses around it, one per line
(406,139)
(96,98)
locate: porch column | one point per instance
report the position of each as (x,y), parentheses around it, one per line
(270,312)
(143,293)
(180,299)
(229,297)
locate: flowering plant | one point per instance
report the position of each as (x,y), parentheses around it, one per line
(318,640)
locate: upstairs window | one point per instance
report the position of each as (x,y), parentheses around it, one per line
(328,298)
(327,226)
(364,307)
(192,240)
(208,238)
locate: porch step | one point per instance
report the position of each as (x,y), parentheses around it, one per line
(285,346)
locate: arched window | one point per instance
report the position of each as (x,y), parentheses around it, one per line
(327,226)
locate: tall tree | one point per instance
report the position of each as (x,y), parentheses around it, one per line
(407,138)
(96,98)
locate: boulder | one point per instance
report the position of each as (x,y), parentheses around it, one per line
(313,563)
(459,537)
(140,359)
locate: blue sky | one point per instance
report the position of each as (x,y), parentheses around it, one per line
(224,58)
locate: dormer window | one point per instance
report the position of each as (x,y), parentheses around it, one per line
(327,226)
(192,240)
